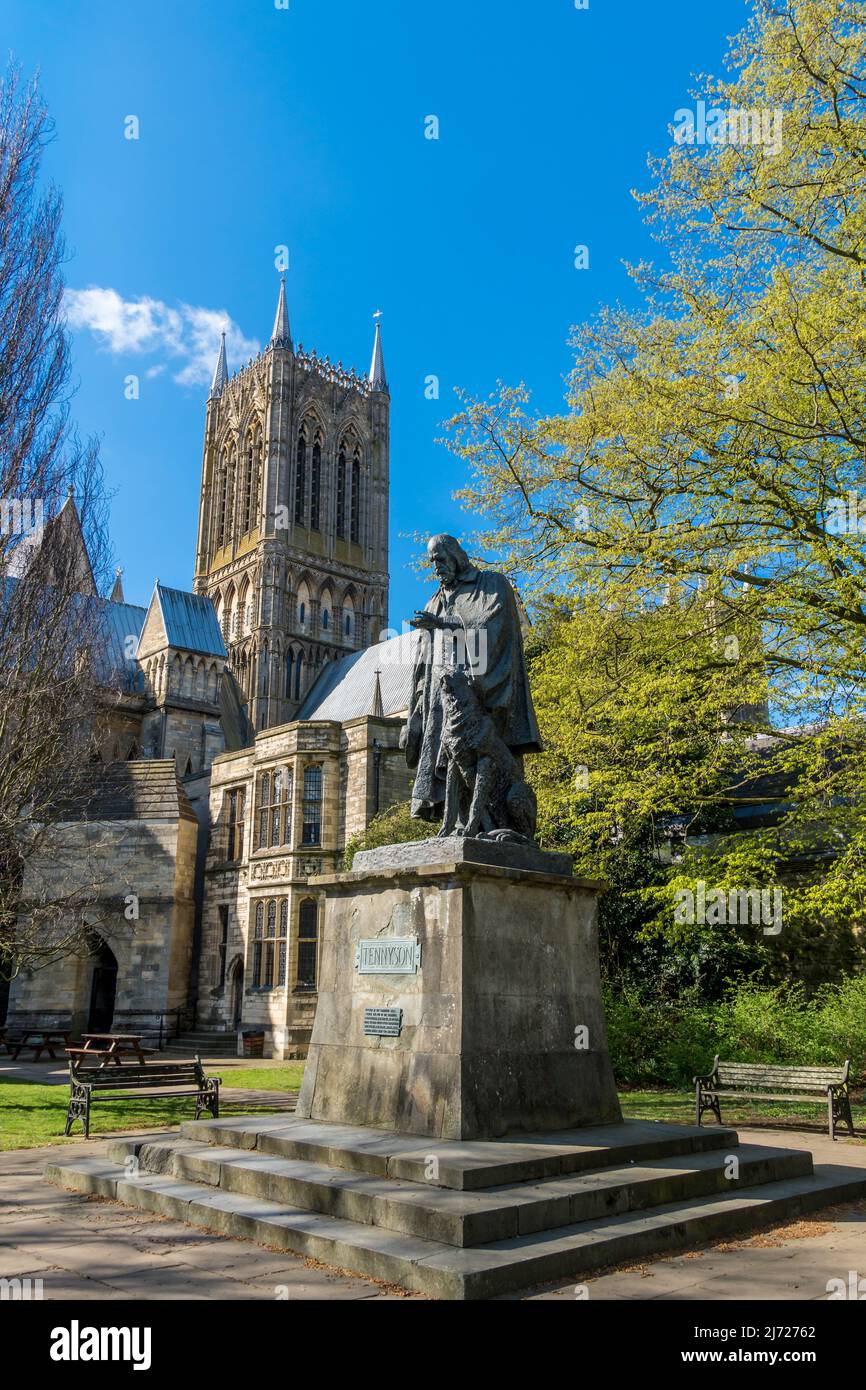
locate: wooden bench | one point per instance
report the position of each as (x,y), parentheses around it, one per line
(152,1081)
(755,1080)
(38,1040)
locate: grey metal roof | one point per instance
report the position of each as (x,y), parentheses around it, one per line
(190,622)
(122,624)
(346,688)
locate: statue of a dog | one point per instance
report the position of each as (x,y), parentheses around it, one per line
(485,792)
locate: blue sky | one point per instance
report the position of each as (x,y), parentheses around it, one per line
(304,126)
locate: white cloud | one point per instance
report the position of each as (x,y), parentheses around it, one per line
(186,336)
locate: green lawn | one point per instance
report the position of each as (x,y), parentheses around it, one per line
(34,1113)
(678,1107)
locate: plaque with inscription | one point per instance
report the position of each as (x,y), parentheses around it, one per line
(383,1023)
(388,955)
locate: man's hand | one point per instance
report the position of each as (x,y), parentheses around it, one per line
(426,620)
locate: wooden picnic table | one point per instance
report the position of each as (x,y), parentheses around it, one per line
(40,1039)
(109,1047)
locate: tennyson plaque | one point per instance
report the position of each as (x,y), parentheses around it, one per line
(383,1023)
(392,955)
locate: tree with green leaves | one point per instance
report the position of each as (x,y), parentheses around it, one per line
(693,520)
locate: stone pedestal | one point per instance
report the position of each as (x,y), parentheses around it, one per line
(501,1028)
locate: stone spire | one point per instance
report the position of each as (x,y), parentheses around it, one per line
(281,336)
(377,366)
(116,595)
(220,375)
(378,710)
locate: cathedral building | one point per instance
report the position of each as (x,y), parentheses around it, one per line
(249,728)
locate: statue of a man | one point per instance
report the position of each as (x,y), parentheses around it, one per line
(470,711)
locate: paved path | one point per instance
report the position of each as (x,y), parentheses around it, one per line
(83,1247)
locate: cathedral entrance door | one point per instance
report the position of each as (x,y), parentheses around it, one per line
(103,989)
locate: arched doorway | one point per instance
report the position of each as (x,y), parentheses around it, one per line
(236,993)
(103,988)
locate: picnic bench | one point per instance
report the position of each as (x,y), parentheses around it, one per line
(152,1081)
(39,1039)
(102,1048)
(817,1085)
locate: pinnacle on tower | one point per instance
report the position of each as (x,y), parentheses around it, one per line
(377,710)
(377,366)
(281,336)
(221,375)
(116,595)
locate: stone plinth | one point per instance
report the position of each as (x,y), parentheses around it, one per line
(501,1025)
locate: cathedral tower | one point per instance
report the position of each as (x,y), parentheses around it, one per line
(293,523)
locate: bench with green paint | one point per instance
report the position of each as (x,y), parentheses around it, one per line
(769,1081)
(151,1081)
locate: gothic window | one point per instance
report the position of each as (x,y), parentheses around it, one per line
(341,493)
(302,614)
(290,662)
(274,809)
(316,483)
(312,809)
(308,941)
(270,943)
(258,942)
(356,497)
(301,478)
(235,802)
(325,619)
(223,501)
(223,944)
(250,489)
(299,675)
(283,942)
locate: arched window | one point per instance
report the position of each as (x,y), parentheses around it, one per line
(308,942)
(301,478)
(249,497)
(223,500)
(282,942)
(256,964)
(302,614)
(316,483)
(326,618)
(290,663)
(341,493)
(299,675)
(312,809)
(356,497)
(264,804)
(270,940)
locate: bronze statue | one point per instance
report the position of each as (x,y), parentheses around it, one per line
(470,711)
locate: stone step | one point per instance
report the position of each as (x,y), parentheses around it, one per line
(445,1271)
(466,1166)
(468,1218)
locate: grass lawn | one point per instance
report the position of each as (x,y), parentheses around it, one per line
(678,1107)
(34,1113)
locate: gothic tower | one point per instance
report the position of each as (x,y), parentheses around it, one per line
(293,523)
